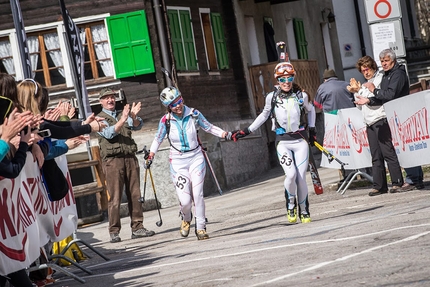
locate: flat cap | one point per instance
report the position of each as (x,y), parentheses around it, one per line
(329,74)
(106,92)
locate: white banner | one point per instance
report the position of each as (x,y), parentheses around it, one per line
(346,138)
(409,122)
(28,220)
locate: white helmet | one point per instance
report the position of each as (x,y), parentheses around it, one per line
(169,95)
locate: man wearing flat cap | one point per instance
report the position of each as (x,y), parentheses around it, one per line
(120,164)
(332,95)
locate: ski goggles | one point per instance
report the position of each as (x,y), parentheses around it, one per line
(285,69)
(285,80)
(174,105)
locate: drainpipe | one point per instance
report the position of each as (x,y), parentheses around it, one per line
(162,37)
(360,28)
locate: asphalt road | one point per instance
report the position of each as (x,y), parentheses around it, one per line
(353,240)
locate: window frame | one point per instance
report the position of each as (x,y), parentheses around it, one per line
(209,47)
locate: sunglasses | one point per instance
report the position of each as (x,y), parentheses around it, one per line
(174,105)
(284,80)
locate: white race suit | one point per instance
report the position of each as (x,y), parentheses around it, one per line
(291,140)
(187,163)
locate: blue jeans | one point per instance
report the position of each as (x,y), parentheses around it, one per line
(414,175)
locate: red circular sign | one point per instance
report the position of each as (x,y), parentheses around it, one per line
(375,8)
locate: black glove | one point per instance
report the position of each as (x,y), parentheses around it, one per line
(229,135)
(240,134)
(312,136)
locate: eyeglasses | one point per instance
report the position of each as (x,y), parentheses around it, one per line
(35,84)
(174,105)
(365,70)
(284,80)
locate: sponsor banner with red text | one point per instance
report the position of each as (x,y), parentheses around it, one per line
(408,118)
(19,231)
(28,220)
(346,138)
(56,219)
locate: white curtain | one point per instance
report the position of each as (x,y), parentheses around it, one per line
(33,49)
(6,51)
(52,43)
(102,49)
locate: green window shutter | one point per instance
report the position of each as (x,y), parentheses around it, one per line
(130,44)
(188,38)
(219,39)
(299,33)
(176,38)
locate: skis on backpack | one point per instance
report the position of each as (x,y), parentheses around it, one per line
(281,48)
(316,180)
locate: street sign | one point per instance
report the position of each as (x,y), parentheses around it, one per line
(382,10)
(387,35)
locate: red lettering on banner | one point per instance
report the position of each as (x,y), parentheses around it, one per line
(342,138)
(15,254)
(57,226)
(359,137)
(413,129)
(330,138)
(40,203)
(5,214)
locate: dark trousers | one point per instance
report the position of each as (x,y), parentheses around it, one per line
(17,279)
(123,172)
(414,175)
(382,149)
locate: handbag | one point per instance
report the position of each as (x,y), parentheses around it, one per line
(55,182)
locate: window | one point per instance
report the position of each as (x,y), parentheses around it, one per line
(299,32)
(97,54)
(6,57)
(48,54)
(46,58)
(182,37)
(131,46)
(213,32)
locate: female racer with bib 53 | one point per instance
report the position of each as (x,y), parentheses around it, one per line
(291,114)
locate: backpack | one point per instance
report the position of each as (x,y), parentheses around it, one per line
(299,95)
(195,114)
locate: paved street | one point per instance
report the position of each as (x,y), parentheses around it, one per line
(353,240)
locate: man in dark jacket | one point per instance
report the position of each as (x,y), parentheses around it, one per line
(395,84)
(332,95)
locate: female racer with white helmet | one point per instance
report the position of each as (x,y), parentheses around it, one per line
(187,163)
(291,114)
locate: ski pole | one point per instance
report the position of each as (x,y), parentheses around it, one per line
(142,197)
(210,165)
(329,155)
(158,223)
